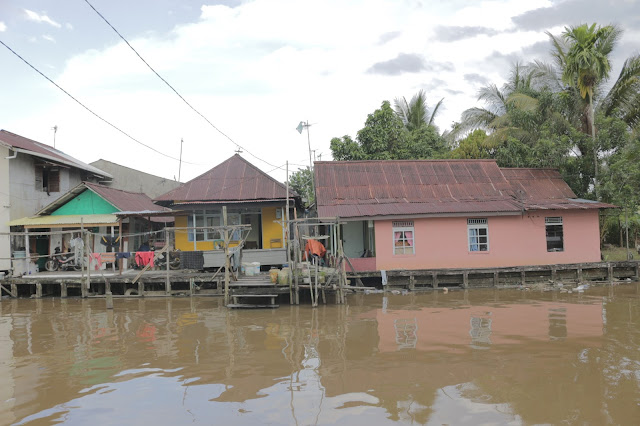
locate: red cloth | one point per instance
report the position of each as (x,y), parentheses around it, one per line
(96,257)
(144,258)
(314,247)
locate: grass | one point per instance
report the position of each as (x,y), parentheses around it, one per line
(612,253)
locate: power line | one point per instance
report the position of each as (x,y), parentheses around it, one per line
(174,90)
(90,110)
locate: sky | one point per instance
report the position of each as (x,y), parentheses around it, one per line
(256,68)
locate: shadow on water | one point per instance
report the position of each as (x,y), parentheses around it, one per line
(485,356)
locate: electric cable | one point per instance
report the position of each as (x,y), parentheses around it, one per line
(174,90)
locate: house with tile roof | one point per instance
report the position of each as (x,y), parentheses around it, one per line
(33,175)
(103,210)
(252,198)
(429,214)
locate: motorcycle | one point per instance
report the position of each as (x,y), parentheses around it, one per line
(63,262)
(174,262)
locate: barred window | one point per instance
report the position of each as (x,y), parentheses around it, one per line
(554,233)
(478,234)
(403,237)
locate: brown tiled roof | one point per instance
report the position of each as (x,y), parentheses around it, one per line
(416,187)
(235,179)
(47,152)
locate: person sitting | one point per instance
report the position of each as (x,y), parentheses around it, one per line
(144,246)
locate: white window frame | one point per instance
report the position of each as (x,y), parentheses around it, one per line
(554,221)
(403,227)
(474,225)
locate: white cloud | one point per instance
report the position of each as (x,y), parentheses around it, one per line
(49,38)
(257,69)
(34,16)
(68,26)
(3,27)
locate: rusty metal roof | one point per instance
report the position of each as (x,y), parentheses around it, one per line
(21,144)
(235,179)
(422,187)
(122,200)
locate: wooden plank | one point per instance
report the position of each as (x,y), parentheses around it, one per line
(250,306)
(7,290)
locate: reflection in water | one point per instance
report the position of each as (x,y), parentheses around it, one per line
(497,357)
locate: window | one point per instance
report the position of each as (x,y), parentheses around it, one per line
(211,219)
(47,179)
(403,241)
(555,234)
(478,234)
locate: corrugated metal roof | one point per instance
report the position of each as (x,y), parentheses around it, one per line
(72,220)
(122,200)
(41,150)
(234,179)
(413,187)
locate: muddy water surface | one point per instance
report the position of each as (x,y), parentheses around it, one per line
(478,357)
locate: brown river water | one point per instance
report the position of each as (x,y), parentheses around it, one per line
(461,358)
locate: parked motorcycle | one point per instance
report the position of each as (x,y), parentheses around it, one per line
(63,262)
(174,263)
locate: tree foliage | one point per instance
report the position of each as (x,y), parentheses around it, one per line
(386,136)
(300,181)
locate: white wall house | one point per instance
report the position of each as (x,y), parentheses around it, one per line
(33,175)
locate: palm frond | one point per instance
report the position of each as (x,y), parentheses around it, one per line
(435,112)
(523,102)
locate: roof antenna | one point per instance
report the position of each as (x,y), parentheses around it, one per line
(239,150)
(55,130)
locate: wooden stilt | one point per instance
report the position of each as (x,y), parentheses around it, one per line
(226,256)
(63,289)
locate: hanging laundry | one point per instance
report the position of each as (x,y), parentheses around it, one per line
(144,258)
(97,258)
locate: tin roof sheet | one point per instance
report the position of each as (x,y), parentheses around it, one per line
(415,187)
(235,179)
(68,220)
(41,150)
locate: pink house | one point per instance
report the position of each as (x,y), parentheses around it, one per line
(428,214)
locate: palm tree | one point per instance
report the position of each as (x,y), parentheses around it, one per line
(581,68)
(416,113)
(517,93)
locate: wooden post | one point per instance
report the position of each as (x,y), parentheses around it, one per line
(465,279)
(412,282)
(109,299)
(226,256)
(120,247)
(140,288)
(14,289)
(434,276)
(87,285)
(554,274)
(495,279)
(523,279)
(579,273)
(107,286)
(637,272)
(192,286)
(287,238)
(27,250)
(113,265)
(296,259)
(63,289)
(38,290)
(610,272)
(167,282)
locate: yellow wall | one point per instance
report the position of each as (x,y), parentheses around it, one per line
(271,230)
(182,237)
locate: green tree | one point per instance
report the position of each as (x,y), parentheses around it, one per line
(385,137)
(300,181)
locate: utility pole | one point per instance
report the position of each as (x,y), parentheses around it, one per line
(302,125)
(180,163)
